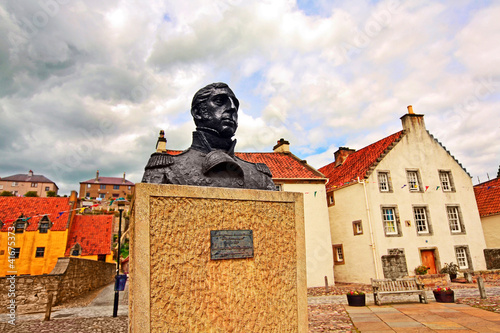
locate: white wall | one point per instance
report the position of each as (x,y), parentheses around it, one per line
(318,242)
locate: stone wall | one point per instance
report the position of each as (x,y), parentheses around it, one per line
(70,278)
(433,280)
(492,257)
(394,266)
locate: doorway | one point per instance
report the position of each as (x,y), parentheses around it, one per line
(429,260)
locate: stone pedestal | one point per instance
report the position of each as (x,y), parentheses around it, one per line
(175,286)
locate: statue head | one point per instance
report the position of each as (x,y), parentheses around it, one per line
(215,107)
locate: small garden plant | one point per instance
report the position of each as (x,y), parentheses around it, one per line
(355,293)
(421,270)
(443,290)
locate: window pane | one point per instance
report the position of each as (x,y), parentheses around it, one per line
(389,221)
(40,251)
(461,258)
(445,181)
(383,182)
(413,181)
(340,254)
(454,219)
(421,220)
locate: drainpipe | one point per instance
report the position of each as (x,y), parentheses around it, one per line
(374,250)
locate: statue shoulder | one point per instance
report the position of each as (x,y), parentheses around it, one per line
(160,160)
(261,167)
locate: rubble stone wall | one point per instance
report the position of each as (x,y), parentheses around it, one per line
(70,278)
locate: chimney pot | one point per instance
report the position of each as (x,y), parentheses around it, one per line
(410,109)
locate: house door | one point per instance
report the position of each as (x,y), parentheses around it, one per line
(429,260)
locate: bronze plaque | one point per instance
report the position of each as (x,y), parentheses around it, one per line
(231,244)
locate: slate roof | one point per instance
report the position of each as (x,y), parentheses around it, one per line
(282,165)
(360,163)
(27,178)
(11,208)
(92,232)
(108,181)
(488,197)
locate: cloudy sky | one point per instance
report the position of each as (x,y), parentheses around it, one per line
(87,85)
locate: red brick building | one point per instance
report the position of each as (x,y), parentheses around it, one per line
(106,187)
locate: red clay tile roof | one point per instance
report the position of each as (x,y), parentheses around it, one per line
(282,165)
(358,163)
(488,197)
(92,232)
(12,207)
(108,181)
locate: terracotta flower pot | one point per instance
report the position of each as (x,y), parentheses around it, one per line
(444,297)
(356,300)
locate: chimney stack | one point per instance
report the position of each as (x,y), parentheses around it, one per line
(123,180)
(161,144)
(282,146)
(342,154)
(412,122)
(498,173)
(30,173)
(97,176)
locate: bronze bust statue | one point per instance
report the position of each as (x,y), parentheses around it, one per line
(210,161)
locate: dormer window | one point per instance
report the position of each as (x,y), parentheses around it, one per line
(76,250)
(44,225)
(19,226)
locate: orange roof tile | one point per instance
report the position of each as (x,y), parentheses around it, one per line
(92,232)
(282,165)
(358,163)
(488,197)
(56,209)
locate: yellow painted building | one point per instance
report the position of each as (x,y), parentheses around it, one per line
(34,233)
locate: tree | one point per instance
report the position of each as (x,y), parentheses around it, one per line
(51,194)
(31,194)
(6,194)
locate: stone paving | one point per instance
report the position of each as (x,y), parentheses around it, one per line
(403,314)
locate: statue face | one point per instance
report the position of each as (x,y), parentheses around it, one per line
(220,112)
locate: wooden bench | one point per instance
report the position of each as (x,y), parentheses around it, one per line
(402,286)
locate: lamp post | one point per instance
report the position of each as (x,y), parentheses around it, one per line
(121,203)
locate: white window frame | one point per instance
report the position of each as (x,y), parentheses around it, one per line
(102,195)
(14,184)
(383,182)
(388,229)
(445,180)
(279,187)
(462,257)
(413,183)
(89,185)
(421,220)
(338,252)
(34,184)
(357,227)
(454,219)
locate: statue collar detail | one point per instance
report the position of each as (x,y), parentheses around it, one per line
(206,142)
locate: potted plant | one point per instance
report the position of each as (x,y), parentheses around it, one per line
(451,269)
(356,298)
(444,295)
(421,270)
